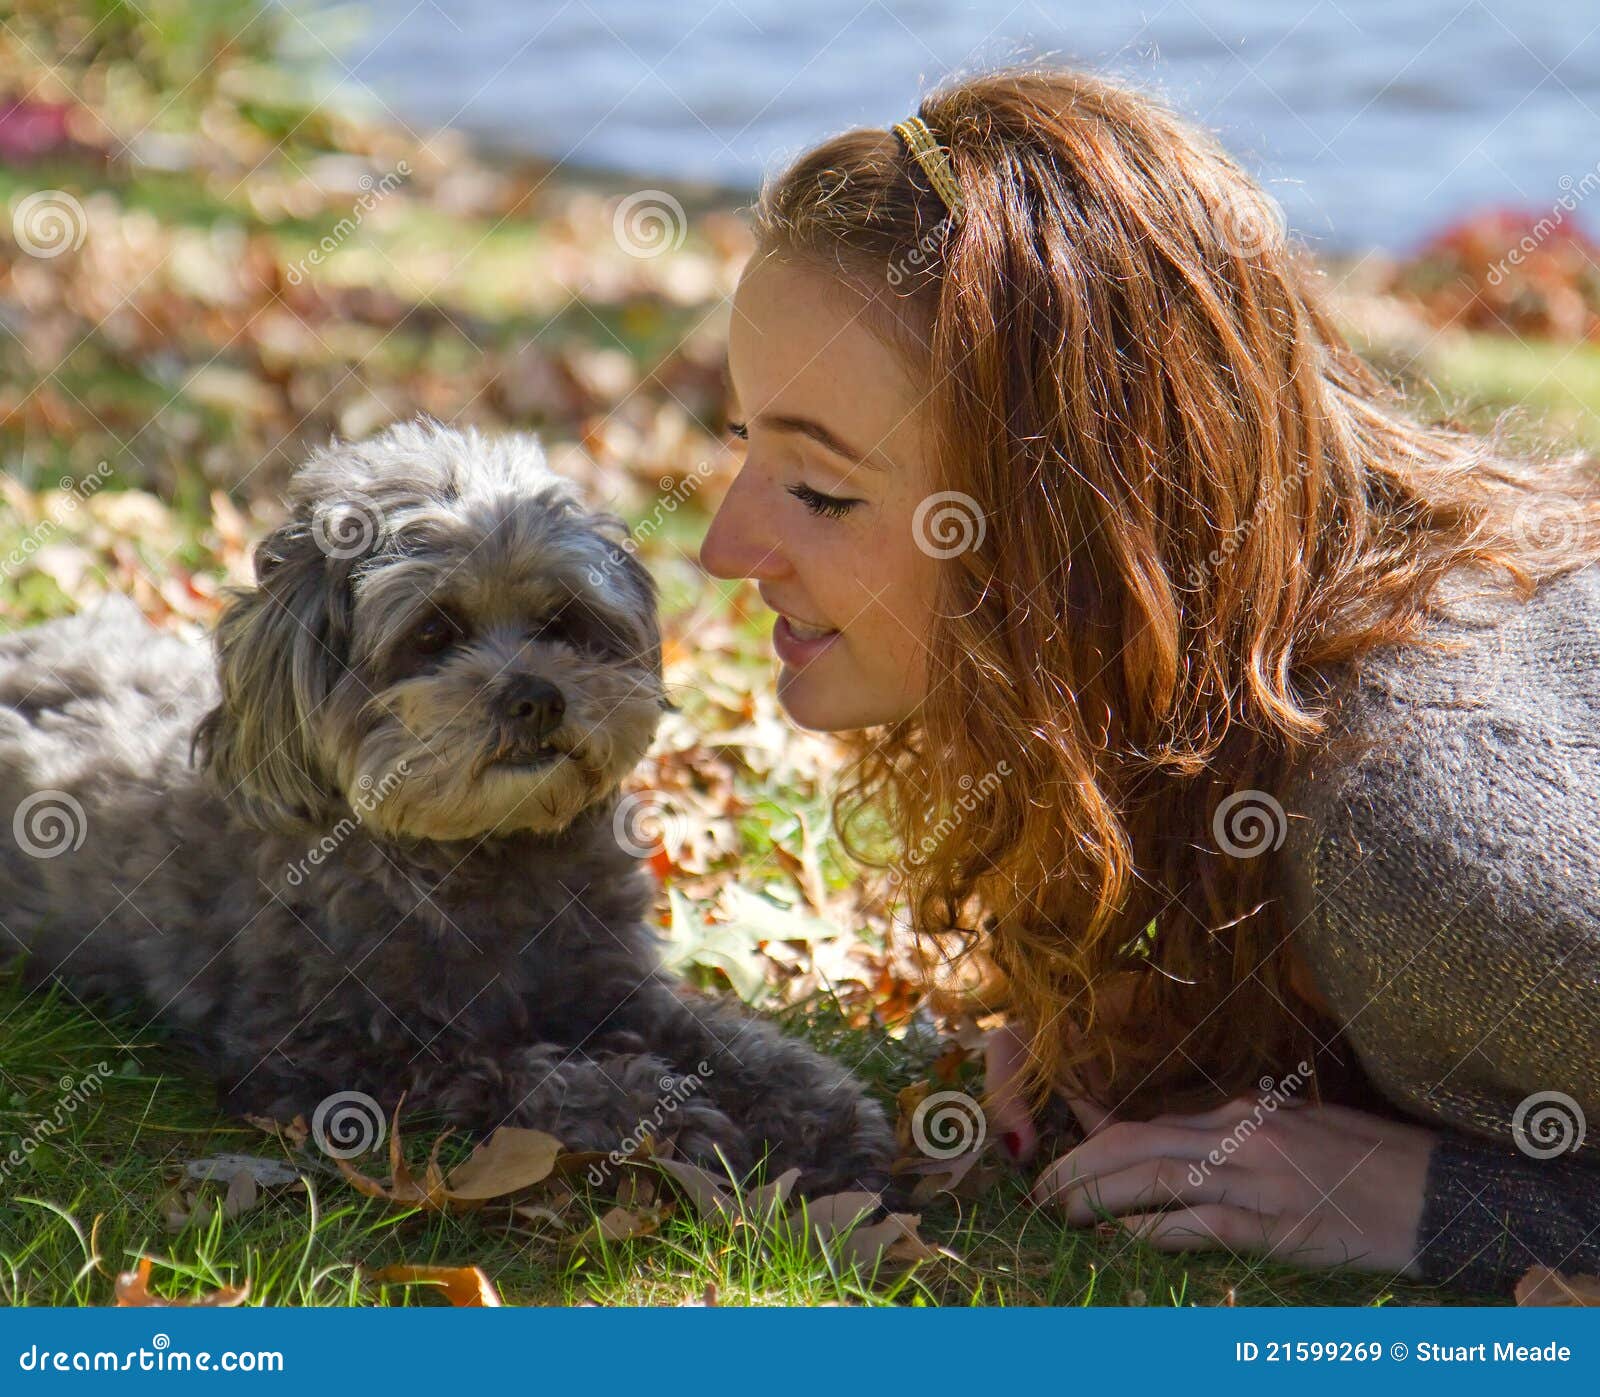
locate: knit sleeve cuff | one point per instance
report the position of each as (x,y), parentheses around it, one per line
(1490,1212)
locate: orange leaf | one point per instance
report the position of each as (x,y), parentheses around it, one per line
(463,1286)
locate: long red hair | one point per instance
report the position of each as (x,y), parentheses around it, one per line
(1195,498)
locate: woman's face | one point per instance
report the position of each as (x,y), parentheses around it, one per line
(821,512)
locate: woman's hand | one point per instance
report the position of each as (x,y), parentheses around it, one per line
(1309,1185)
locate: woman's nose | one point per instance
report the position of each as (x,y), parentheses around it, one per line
(740,542)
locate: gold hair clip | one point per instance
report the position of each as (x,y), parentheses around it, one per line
(934,159)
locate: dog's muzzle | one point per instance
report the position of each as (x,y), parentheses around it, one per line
(528,712)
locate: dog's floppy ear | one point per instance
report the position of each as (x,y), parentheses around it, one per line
(632,576)
(281,647)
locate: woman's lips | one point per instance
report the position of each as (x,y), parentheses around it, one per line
(800,648)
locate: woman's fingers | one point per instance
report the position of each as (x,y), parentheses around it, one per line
(1155,1183)
(1004,1054)
(1120,1146)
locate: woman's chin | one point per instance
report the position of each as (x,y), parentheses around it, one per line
(821,702)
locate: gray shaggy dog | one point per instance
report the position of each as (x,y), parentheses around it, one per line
(376,846)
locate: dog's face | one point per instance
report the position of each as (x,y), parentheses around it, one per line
(442,641)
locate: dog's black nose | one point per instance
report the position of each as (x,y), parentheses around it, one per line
(532,705)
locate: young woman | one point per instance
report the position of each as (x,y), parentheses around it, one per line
(1246,725)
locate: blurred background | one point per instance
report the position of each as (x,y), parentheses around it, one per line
(235,228)
(232,229)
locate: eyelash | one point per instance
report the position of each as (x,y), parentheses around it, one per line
(818,503)
(830,506)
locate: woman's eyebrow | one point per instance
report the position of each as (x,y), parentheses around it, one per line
(806,427)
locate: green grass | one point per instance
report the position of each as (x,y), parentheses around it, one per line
(88,1201)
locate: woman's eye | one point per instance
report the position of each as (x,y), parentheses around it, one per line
(434,635)
(818,503)
(738,431)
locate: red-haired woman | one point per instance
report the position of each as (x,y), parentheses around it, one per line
(1248,724)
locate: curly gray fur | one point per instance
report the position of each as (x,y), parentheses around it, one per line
(371,848)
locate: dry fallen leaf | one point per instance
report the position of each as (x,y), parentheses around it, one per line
(293,1133)
(133,1291)
(402,1186)
(618,1225)
(510,1159)
(1542,1286)
(463,1286)
(705,1190)
(961,1176)
(243,1194)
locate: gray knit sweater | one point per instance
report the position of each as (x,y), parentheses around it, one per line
(1442,870)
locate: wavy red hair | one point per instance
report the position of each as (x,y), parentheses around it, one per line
(1196,500)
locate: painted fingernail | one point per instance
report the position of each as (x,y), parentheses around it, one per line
(1012,1140)
(1105,1231)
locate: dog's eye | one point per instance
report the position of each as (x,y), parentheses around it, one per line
(435,634)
